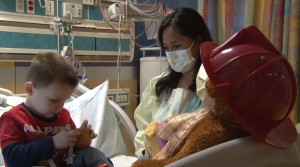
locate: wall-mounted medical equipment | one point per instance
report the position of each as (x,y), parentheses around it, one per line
(120,96)
(24,34)
(137,12)
(72,9)
(151,14)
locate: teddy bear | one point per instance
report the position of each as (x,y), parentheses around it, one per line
(244,74)
(217,126)
(84,139)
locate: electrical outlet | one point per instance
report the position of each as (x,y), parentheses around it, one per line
(30,7)
(20,6)
(88,2)
(49,8)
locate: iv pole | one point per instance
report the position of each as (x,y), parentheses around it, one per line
(58,27)
(61,22)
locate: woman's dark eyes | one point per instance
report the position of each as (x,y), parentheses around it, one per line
(173,47)
(177,46)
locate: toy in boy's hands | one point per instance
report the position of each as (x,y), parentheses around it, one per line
(85,135)
(84,139)
(254,88)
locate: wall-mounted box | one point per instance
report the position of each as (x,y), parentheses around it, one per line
(30,7)
(72,10)
(20,8)
(49,8)
(120,96)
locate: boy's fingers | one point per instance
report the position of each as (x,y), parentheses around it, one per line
(74,132)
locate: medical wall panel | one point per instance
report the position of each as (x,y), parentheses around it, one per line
(28,32)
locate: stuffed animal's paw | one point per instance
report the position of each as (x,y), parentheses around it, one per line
(150,131)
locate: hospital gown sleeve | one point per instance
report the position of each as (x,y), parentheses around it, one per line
(143,114)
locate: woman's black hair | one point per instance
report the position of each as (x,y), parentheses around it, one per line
(191,24)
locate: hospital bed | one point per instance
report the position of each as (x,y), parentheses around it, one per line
(115,139)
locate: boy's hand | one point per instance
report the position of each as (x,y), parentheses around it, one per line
(88,127)
(65,139)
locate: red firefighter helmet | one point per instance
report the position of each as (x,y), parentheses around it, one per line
(257,84)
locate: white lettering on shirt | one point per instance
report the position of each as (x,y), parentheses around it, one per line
(48,130)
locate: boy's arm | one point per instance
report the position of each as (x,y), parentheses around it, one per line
(28,154)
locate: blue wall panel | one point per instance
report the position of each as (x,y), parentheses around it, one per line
(94,13)
(80,43)
(42,41)
(28,41)
(8,5)
(106,44)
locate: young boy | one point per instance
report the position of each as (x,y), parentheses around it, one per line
(40,131)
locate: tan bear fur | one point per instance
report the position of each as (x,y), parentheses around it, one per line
(84,139)
(218,126)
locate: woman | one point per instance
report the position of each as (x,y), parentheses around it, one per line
(180,35)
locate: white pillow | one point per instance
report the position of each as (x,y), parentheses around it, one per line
(10,101)
(94,107)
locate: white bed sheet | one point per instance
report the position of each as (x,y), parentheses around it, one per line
(94,107)
(123,160)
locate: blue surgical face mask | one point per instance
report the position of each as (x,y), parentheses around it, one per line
(181,60)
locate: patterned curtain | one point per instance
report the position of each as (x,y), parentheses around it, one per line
(279,20)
